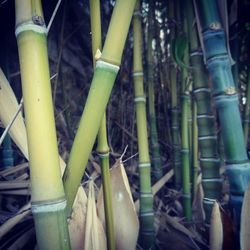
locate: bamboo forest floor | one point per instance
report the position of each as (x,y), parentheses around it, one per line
(173,231)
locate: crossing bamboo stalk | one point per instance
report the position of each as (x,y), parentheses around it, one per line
(102,147)
(146,197)
(226,101)
(47,194)
(156,157)
(105,74)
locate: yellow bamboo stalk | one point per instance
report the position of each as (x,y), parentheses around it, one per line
(48,199)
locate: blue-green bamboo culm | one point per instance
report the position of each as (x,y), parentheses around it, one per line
(147,233)
(208,146)
(226,101)
(156,157)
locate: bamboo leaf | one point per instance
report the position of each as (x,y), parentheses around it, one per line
(126,231)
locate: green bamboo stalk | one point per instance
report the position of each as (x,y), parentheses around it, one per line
(185,157)
(226,102)
(102,147)
(105,73)
(47,194)
(146,197)
(175,123)
(208,146)
(156,158)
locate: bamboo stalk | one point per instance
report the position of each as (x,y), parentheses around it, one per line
(156,157)
(146,198)
(48,199)
(246,111)
(104,76)
(195,162)
(185,149)
(208,146)
(102,148)
(226,101)
(175,123)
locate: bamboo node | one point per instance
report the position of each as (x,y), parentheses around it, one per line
(230,90)
(140,99)
(106,65)
(48,207)
(30,26)
(145,165)
(215,26)
(135,74)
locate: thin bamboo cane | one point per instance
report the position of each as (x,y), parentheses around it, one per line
(156,157)
(102,148)
(146,197)
(208,146)
(185,151)
(226,101)
(175,123)
(195,161)
(246,111)
(104,76)
(48,199)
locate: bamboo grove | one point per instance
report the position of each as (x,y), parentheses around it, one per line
(160,90)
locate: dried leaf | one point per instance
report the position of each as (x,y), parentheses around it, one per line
(8,107)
